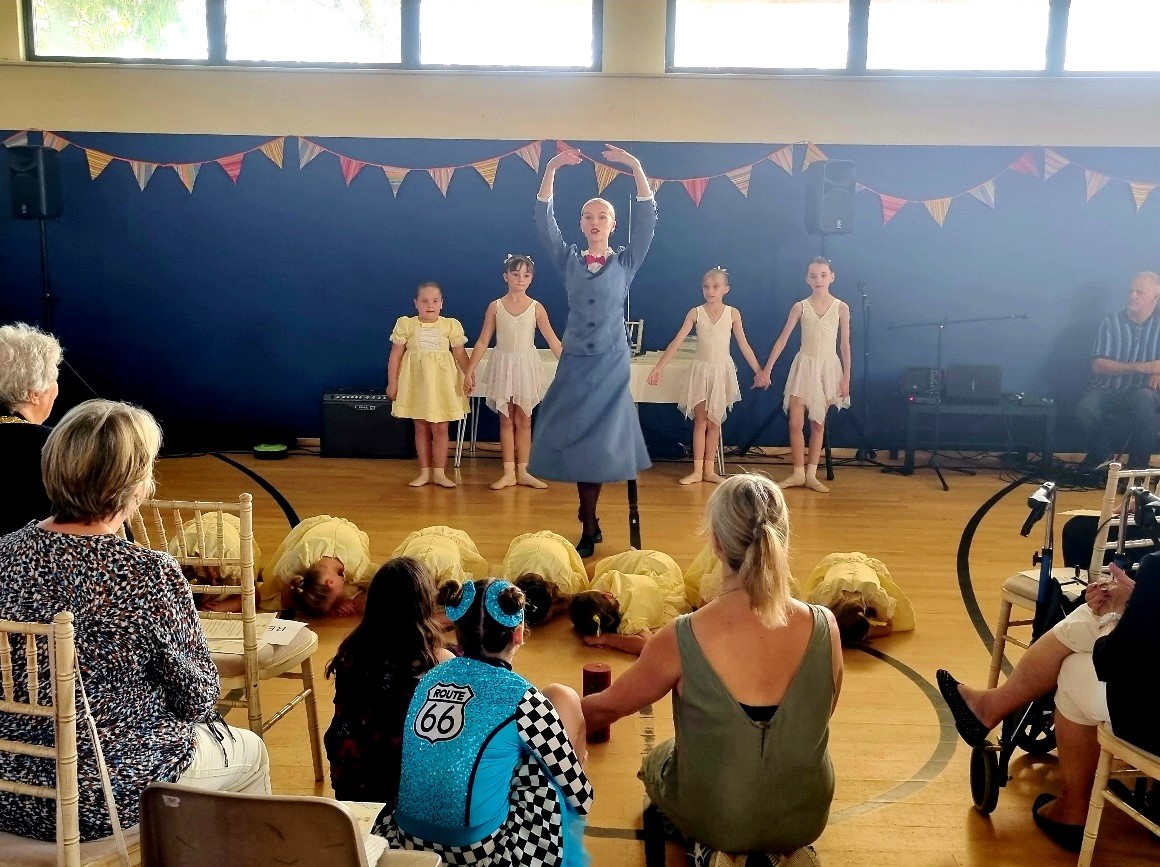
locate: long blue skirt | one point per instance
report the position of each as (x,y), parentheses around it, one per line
(587,429)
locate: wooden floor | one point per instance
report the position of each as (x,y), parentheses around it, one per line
(903,793)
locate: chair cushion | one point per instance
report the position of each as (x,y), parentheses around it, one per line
(270,656)
(37,853)
(1026,584)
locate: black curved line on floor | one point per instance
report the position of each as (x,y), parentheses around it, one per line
(948,739)
(963,567)
(282,502)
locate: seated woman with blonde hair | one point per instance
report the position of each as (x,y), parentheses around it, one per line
(323,566)
(863,597)
(141,654)
(632,594)
(755,676)
(546,567)
(449,554)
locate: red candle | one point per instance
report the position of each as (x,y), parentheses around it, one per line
(597,677)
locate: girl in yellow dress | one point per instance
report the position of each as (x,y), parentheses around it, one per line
(703,579)
(864,598)
(548,569)
(448,553)
(323,566)
(221,534)
(633,594)
(425,380)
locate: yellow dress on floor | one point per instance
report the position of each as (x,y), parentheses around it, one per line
(648,585)
(855,572)
(222,539)
(446,552)
(703,579)
(430,382)
(550,556)
(313,539)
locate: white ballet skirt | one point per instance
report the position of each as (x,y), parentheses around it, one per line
(514,373)
(712,375)
(816,373)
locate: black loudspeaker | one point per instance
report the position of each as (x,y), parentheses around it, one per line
(360,425)
(830,197)
(921,384)
(35,177)
(973,383)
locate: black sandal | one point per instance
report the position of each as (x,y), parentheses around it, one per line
(970,727)
(1070,837)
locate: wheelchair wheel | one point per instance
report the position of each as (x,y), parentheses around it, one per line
(985,778)
(1037,734)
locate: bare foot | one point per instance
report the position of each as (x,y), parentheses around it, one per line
(528,480)
(814,485)
(505,482)
(440,478)
(797,480)
(691,479)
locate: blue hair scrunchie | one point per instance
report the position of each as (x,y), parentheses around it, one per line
(454,612)
(491,603)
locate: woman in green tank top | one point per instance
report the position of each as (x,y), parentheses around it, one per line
(755,676)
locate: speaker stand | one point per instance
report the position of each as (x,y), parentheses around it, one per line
(48,301)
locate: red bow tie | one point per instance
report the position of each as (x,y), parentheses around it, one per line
(589,259)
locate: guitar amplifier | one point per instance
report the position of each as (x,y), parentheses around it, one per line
(921,384)
(973,383)
(360,425)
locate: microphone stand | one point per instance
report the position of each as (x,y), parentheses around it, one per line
(865,453)
(941,324)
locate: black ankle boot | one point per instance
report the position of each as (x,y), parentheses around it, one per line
(598,536)
(586,547)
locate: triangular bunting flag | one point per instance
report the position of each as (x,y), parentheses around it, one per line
(1140,192)
(275,150)
(187,172)
(232,165)
(487,170)
(858,187)
(891,205)
(985,193)
(350,168)
(605,175)
(813,154)
(1095,182)
(97,161)
(16,140)
(142,172)
(740,178)
(395,176)
(1026,164)
(783,158)
(307,150)
(938,208)
(530,154)
(1053,162)
(52,140)
(695,188)
(442,177)
(655,184)
(562,146)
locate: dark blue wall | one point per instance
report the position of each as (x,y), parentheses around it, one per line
(238,305)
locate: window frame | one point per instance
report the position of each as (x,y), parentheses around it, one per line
(216,42)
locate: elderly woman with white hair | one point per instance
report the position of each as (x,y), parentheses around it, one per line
(141,653)
(29,360)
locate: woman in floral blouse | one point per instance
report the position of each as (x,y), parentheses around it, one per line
(140,650)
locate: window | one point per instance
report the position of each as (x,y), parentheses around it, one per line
(975,35)
(406,33)
(544,33)
(308,30)
(1112,36)
(759,34)
(141,29)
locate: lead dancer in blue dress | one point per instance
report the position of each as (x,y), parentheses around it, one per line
(587,430)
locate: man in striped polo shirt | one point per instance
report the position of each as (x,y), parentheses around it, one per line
(1119,409)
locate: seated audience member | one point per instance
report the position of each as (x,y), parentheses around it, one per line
(754,676)
(323,566)
(448,553)
(221,532)
(547,568)
(1120,404)
(632,594)
(491,774)
(1062,659)
(141,653)
(375,673)
(29,362)
(863,597)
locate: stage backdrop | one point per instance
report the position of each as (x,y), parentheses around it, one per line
(226,282)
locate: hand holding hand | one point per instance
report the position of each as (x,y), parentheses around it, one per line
(844,388)
(469,383)
(564,158)
(615,154)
